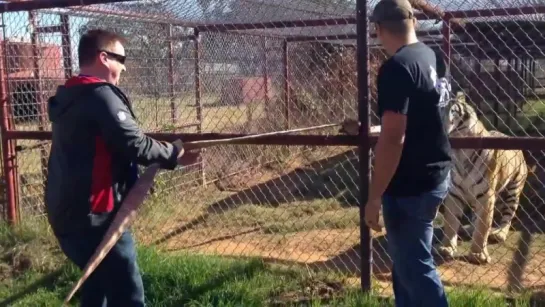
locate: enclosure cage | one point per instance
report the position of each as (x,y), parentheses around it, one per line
(217,69)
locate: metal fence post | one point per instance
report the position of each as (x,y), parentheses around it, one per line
(364,114)
(8,146)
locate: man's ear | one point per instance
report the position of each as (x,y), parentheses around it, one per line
(377,30)
(415,24)
(103,58)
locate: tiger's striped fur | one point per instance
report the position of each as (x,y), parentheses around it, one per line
(478,178)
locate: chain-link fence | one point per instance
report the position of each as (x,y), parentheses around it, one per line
(253,66)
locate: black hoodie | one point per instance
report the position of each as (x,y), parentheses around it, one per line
(95,148)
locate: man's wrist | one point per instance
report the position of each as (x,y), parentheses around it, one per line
(373,194)
(373,199)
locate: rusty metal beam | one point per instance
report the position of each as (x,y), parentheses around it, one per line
(152,18)
(49,29)
(78,7)
(15,6)
(511,11)
(523,143)
(346,36)
(346,20)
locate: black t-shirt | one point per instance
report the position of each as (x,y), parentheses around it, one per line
(408,84)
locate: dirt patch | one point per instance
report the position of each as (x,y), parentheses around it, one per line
(21,257)
(508,267)
(310,290)
(301,247)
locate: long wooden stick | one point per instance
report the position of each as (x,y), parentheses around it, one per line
(230,141)
(136,196)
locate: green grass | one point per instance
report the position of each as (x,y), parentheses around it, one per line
(195,280)
(531,119)
(190,280)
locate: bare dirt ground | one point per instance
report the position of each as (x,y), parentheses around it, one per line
(306,217)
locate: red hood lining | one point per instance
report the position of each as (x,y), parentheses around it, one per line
(78,80)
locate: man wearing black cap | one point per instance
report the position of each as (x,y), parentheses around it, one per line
(412,156)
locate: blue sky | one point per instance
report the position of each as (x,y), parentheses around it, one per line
(17,27)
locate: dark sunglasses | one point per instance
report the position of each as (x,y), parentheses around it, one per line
(120,58)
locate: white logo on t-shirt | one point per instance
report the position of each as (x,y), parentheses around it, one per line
(442,86)
(121,115)
(433,75)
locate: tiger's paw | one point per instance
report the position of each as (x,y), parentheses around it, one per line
(446,252)
(479,258)
(498,235)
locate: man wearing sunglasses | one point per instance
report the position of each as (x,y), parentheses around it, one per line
(95,150)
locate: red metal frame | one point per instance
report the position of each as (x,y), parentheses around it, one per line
(16,6)
(66,46)
(352,19)
(173,112)
(265,72)
(364,117)
(303,38)
(514,11)
(198,96)
(277,24)
(523,143)
(198,89)
(285,60)
(39,92)
(8,145)
(446,41)
(9,155)
(150,18)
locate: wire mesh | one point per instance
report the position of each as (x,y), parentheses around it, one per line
(488,231)
(260,66)
(296,204)
(496,70)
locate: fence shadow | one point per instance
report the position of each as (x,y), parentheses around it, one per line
(327,178)
(381,259)
(332,178)
(348,263)
(243,270)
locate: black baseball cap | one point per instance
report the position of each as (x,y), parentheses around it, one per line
(392,10)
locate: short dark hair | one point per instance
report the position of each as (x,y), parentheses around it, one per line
(396,27)
(93,41)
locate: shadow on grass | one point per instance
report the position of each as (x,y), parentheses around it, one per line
(49,282)
(215,287)
(162,285)
(221,238)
